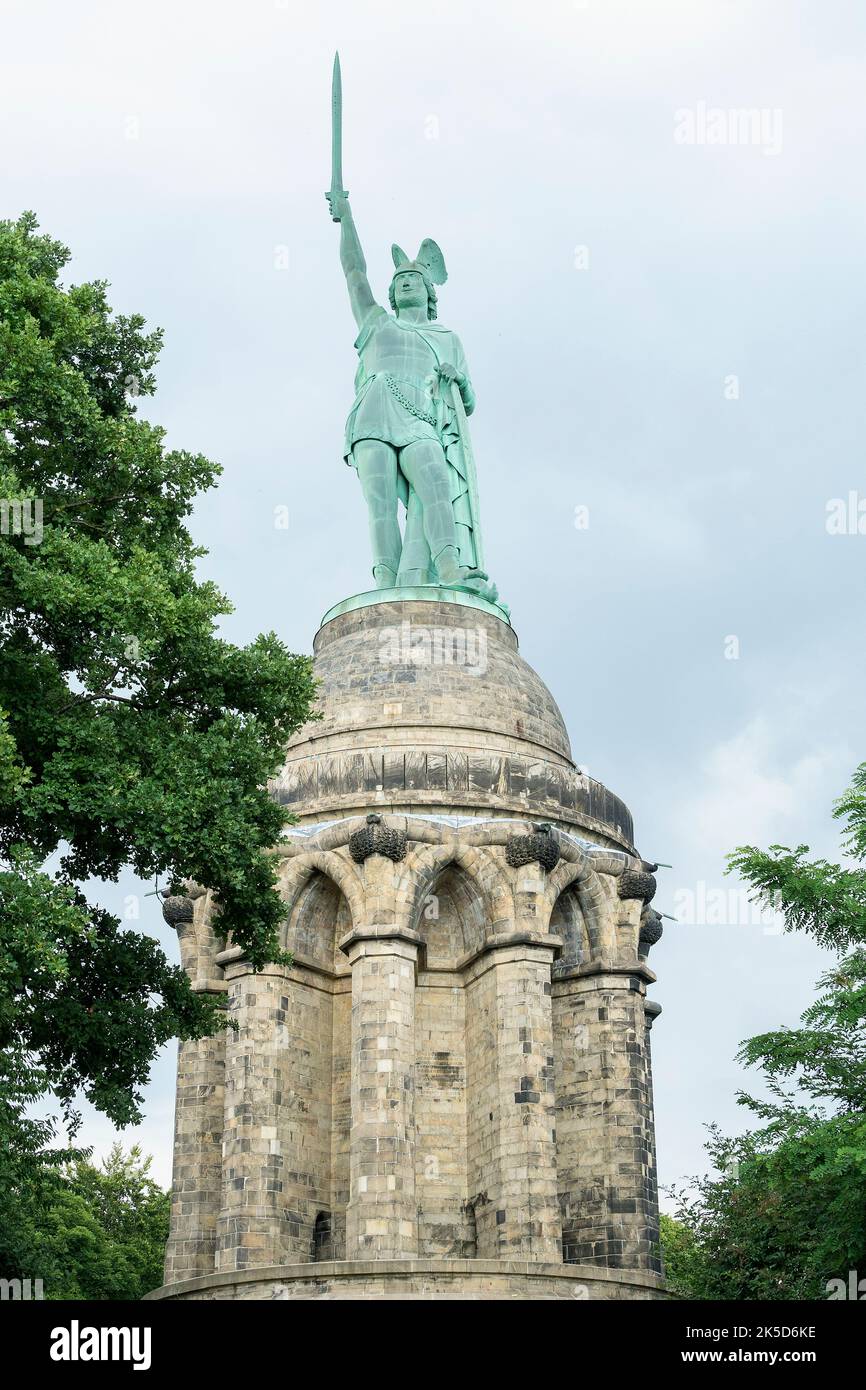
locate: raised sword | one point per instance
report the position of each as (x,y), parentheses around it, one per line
(336,190)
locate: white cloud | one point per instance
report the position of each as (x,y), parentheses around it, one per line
(752,788)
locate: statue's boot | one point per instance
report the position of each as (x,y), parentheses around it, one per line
(481,584)
(448,567)
(384,576)
(454,575)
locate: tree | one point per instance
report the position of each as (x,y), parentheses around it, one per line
(680,1253)
(789,1213)
(90,1231)
(131,733)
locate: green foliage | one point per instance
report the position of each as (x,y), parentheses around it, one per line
(131,734)
(787,1215)
(789,1212)
(824,900)
(88,1232)
(680,1254)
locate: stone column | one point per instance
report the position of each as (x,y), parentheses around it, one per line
(196,1183)
(605,1158)
(275,1167)
(511,1099)
(382,1220)
(652,1009)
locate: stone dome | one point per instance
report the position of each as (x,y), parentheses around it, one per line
(426,703)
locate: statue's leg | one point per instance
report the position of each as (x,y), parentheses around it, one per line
(377,470)
(415,557)
(426,469)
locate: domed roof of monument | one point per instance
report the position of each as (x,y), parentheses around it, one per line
(431,665)
(428,707)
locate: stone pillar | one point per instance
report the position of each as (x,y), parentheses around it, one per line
(382,1220)
(196,1184)
(651,1012)
(446,1223)
(605,1158)
(275,1166)
(341,1111)
(511,1099)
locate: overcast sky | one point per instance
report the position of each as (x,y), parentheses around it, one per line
(661,328)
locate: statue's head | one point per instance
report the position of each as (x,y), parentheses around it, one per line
(414,283)
(411,289)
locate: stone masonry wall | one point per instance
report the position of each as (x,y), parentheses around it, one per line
(277,1118)
(382,1216)
(446,1228)
(389,1099)
(197,1166)
(605,1154)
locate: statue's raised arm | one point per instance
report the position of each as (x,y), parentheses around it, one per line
(352,259)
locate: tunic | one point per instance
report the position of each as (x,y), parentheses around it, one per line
(408,355)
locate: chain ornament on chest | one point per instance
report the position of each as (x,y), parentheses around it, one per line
(426,416)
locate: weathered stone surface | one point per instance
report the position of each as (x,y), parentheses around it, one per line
(539,848)
(605,1137)
(637,884)
(377,838)
(474,729)
(474,1280)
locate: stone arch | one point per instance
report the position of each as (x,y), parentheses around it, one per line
(319,919)
(567,921)
(589,896)
(315,886)
(452,916)
(467,865)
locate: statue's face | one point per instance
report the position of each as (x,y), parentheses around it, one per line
(410,290)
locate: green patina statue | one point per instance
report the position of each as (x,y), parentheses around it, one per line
(407,434)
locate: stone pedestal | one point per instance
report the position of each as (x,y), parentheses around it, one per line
(448,1093)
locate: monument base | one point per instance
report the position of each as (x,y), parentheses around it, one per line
(447,1092)
(419,593)
(430,1280)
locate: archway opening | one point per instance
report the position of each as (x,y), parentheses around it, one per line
(320,917)
(323,1241)
(567,921)
(451,916)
